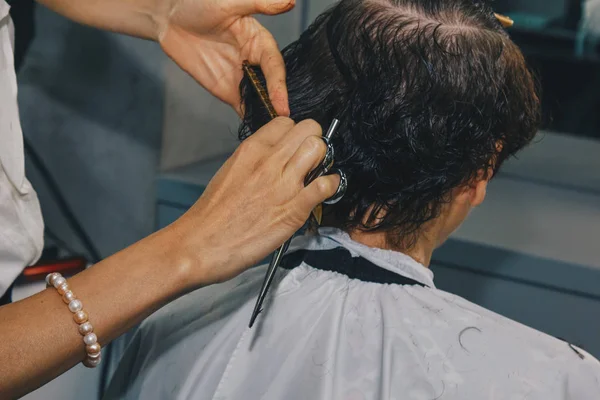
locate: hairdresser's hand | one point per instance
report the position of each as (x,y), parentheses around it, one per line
(210,39)
(255,202)
(207,38)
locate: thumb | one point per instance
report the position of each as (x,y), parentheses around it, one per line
(317,192)
(268,7)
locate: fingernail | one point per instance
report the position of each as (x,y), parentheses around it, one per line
(283,4)
(285,111)
(281,105)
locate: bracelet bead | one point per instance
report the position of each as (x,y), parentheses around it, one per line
(92,362)
(68,297)
(93,349)
(85,328)
(50,278)
(80,317)
(62,289)
(58,282)
(75,305)
(90,338)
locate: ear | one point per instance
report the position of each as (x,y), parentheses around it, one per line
(478,188)
(478,192)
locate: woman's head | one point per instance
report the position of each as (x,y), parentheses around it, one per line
(432,95)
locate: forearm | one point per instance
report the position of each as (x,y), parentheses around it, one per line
(40,340)
(139,18)
(254,203)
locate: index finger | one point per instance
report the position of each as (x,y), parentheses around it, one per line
(272,65)
(274,131)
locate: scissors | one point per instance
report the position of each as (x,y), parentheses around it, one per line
(324,168)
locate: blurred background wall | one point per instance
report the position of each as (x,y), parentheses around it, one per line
(107,112)
(92,106)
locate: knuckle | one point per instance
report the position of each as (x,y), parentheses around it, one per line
(262,5)
(315,145)
(324,187)
(284,122)
(248,147)
(310,127)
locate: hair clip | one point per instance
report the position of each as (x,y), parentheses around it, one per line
(505,21)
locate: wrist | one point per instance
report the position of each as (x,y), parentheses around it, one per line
(191,256)
(159,14)
(140,18)
(146,19)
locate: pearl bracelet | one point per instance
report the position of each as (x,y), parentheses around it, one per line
(92,347)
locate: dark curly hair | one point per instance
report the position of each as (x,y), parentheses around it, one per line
(430,93)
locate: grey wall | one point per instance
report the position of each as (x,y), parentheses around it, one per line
(91,103)
(549,8)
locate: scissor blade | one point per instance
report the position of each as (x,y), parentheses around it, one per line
(318,214)
(275,261)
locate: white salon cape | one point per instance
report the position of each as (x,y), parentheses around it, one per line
(325,336)
(21,225)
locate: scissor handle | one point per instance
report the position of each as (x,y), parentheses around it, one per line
(324,167)
(329,159)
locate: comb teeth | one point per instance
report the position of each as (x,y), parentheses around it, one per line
(262,93)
